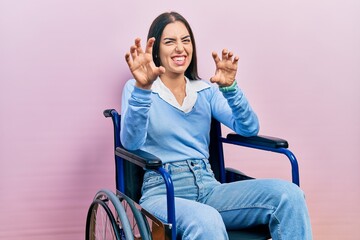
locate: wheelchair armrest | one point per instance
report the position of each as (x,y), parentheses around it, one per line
(260,140)
(109,112)
(139,157)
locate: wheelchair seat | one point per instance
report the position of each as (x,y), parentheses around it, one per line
(129,171)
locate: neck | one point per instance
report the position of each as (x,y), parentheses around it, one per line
(174,82)
(177,86)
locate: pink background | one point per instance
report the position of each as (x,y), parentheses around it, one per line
(62,63)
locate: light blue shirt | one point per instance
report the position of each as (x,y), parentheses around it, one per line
(152,121)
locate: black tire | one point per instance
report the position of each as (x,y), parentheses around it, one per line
(100,222)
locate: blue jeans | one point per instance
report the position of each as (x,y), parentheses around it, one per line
(205,208)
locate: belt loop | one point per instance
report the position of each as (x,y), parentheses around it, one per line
(166,166)
(205,161)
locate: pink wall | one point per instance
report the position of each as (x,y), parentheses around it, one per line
(61,65)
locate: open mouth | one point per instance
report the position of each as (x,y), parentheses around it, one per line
(179,60)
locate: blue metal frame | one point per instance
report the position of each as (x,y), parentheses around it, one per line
(222,172)
(287,152)
(119,162)
(170,200)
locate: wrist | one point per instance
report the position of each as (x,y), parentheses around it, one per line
(143,86)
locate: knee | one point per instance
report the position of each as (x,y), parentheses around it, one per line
(290,194)
(293,193)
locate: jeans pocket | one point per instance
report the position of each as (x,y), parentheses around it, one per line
(152,179)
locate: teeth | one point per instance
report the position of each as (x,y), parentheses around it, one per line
(179,59)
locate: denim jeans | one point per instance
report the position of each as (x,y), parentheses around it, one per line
(205,208)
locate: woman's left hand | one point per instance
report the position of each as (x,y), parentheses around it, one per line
(226,68)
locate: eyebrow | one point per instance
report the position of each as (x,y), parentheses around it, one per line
(168,38)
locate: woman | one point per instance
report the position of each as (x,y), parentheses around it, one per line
(167,111)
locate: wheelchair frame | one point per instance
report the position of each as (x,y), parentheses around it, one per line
(122,228)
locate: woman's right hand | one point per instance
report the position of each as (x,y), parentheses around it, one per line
(141,64)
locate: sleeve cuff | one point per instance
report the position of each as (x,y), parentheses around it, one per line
(140,96)
(231,88)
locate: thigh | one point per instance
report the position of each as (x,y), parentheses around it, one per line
(248,203)
(194,220)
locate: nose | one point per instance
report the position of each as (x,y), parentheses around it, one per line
(179,47)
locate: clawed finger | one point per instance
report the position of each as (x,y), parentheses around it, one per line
(138,45)
(136,50)
(236,59)
(215,57)
(228,55)
(133,51)
(149,45)
(224,54)
(128,59)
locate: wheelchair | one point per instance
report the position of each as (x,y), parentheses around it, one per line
(119,216)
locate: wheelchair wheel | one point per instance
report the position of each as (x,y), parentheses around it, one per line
(138,222)
(107,218)
(100,223)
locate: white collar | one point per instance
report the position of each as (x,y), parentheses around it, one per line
(192,88)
